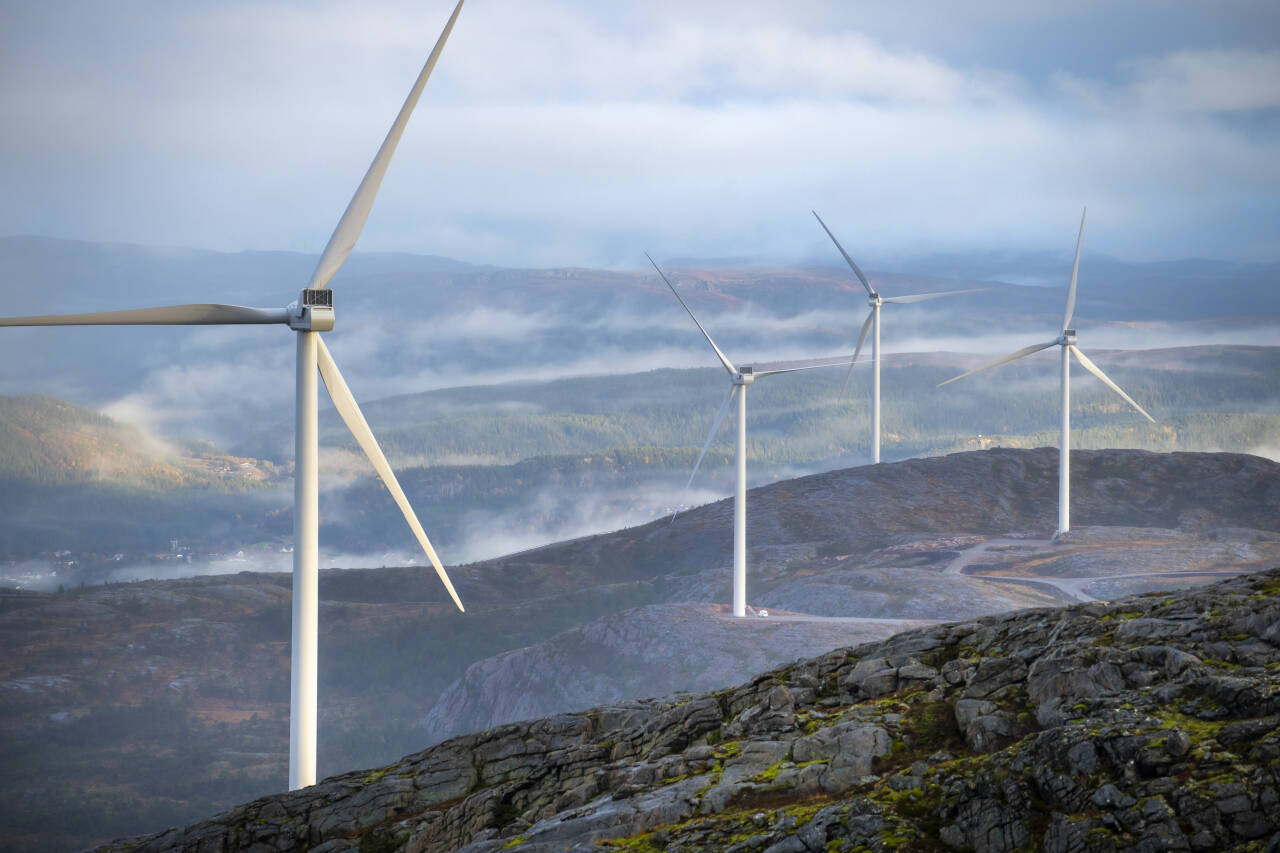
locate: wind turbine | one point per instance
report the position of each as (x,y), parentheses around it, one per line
(311,314)
(873,320)
(1067,341)
(740,378)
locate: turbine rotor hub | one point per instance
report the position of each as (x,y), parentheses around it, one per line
(1067,338)
(313,311)
(746,376)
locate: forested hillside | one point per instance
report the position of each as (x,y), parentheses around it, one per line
(1199,395)
(72,479)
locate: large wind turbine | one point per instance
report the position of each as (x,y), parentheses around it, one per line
(310,314)
(873,321)
(1067,341)
(740,377)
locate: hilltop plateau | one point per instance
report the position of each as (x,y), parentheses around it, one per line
(141,705)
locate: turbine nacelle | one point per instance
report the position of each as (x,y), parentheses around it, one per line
(1067,338)
(313,311)
(875,300)
(745,376)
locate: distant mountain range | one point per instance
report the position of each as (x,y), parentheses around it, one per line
(429,323)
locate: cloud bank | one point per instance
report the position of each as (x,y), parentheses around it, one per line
(559,132)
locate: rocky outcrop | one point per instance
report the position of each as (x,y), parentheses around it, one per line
(1152,723)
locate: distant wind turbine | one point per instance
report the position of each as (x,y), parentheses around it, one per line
(1067,341)
(310,314)
(873,320)
(740,377)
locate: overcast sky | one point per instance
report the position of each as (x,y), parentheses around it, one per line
(558,133)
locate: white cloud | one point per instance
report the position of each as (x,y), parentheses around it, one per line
(1208,81)
(558,133)
(545,54)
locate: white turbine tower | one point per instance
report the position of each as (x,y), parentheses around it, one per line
(740,377)
(1067,341)
(873,320)
(310,314)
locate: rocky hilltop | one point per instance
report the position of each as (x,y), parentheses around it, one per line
(128,708)
(1149,723)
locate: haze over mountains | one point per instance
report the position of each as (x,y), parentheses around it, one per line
(582,435)
(454,324)
(498,469)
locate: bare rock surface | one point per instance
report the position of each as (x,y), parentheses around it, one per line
(650,651)
(850,588)
(1150,723)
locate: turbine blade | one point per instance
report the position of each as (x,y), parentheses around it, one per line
(921,297)
(862,339)
(348,229)
(728,365)
(1097,371)
(1075,269)
(1013,356)
(346,405)
(862,336)
(171,315)
(769,368)
(715,428)
(862,278)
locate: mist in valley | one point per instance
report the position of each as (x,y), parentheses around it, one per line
(563,393)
